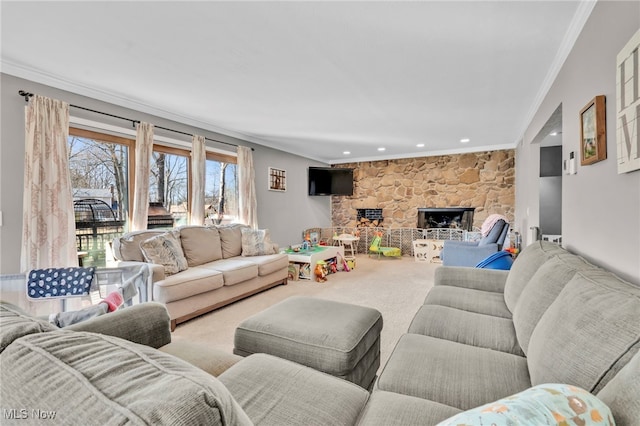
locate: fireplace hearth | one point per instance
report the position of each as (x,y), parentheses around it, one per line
(448,217)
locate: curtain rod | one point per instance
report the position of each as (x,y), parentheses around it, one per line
(28,95)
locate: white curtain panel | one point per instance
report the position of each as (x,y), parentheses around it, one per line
(247,188)
(48,223)
(144,148)
(198,165)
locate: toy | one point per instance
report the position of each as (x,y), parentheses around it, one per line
(321,271)
(345,265)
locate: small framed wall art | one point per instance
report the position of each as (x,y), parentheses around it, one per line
(277,179)
(593,132)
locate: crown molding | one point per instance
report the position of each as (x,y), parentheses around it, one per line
(585,7)
(425,154)
(55,81)
(58,82)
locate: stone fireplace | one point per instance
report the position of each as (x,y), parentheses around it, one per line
(484,180)
(449,217)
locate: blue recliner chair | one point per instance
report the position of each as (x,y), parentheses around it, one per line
(467,253)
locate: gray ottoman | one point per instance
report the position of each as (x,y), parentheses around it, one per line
(337,338)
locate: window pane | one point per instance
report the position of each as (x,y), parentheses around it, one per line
(221,195)
(99,178)
(168,190)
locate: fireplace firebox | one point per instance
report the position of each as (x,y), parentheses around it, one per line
(449,217)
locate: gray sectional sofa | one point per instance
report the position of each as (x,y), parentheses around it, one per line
(216,272)
(484,334)
(481,336)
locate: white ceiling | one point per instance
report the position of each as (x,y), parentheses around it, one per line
(310,78)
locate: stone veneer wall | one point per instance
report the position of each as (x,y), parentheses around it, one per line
(484,180)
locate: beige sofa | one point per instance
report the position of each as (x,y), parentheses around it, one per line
(215,274)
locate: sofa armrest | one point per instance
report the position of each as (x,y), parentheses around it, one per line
(157,271)
(473,278)
(146,323)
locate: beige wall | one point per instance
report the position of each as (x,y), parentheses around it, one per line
(484,180)
(600,208)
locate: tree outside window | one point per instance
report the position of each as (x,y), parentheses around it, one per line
(221,192)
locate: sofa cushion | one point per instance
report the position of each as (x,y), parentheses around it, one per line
(90,378)
(482,302)
(200,244)
(127,247)
(388,408)
(589,331)
(274,391)
(187,283)
(470,328)
(231,239)
(451,373)
(548,404)
(234,271)
(205,356)
(478,279)
(257,242)
(525,266)
(622,393)
(270,263)
(15,323)
(166,250)
(543,288)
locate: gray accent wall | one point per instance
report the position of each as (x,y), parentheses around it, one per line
(285,214)
(600,208)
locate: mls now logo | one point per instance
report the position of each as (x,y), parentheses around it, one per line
(23,413)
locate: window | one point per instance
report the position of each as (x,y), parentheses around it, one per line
(99,166)
(221,189)
(169,187)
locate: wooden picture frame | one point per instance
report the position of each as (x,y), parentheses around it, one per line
(277,179)
(593,132)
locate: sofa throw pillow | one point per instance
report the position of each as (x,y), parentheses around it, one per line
(548,404)
(166,250)
(257,242)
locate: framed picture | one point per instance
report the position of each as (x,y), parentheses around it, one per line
(277,179)
(593,132)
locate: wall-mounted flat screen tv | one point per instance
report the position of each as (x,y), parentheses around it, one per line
(330,181)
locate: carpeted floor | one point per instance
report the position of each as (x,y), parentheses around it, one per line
(394,286)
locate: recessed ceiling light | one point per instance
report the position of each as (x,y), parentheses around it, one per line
(465,140)
(420,145)
(553,133)
(381,149)
(346,152)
